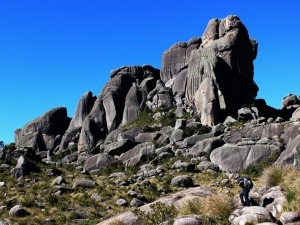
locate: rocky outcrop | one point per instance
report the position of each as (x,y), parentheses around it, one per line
(42,133)
(118,103)
(176,58)
(289,104)
(291,155)
(98,162)
(225,58)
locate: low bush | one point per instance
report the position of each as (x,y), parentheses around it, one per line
(256,170)
(160,214)
(192,206)
(218,208)
(272,176)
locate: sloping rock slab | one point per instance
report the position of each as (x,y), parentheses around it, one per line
(176,199)
(291,154)
(249,215)
(232,158)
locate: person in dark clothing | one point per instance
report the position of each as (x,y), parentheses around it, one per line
(246,184)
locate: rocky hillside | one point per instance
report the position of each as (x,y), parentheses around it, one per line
(150,133)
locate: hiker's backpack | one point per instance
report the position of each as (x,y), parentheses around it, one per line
(247,183)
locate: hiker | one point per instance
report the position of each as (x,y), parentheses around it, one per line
(246,184)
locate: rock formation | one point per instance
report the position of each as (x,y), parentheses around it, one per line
(44,133)
(207,86)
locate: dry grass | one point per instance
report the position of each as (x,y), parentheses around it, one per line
(192,206)
(218,206)
(273,176)
(289,179)
(291,185)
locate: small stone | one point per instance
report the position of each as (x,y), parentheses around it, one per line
(121,202)
(136,203)
(18,211)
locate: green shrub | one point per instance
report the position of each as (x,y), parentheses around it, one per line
(51,199)
(218,208)
(192,206)
(256,170)
(168,119)
(160,214)
(28,201)
(189,131)
(290,196)
(144,121)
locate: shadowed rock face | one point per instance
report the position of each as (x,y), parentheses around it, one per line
(225,55)
(83,108)
(230,41)
(41,132)
(118,103)
(176,58)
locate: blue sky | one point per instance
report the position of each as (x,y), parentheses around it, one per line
(53,51)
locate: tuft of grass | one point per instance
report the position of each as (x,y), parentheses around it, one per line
(218,207)
(291,184)
(168,119)
(144,121)
(290,197)
(27,201)
(192,206)
(272,176)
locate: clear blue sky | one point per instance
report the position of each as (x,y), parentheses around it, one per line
(53,51)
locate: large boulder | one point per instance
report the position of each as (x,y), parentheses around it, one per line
(233,158)
(40,134)
(205,147)
(296,115)
(291,155)
(256,132)
(98,162)
(249,215)
(135,155)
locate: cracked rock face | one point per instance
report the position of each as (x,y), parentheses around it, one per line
(214,73)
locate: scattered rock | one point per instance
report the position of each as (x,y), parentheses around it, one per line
(182,181)
(122,202)
(84,183)
(289,217)
(18,211)
(136,202)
